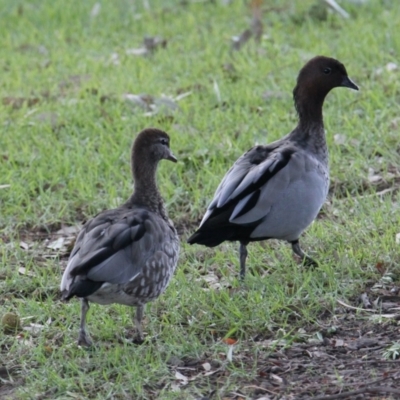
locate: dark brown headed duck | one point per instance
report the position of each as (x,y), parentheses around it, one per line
(276,191)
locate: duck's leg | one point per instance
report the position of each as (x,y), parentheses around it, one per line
(138,322)
(243,255)
(83,338)
(307,261)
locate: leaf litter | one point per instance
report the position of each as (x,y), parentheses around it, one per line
(152,105)
(149,45)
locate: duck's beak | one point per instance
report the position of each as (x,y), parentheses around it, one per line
(171,157)
(347,82)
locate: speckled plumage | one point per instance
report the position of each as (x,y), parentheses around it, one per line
(127,255)
(276,191)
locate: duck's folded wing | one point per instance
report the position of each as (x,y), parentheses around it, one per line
(242,186)
(116,251)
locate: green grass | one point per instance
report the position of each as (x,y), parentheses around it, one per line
(66,157)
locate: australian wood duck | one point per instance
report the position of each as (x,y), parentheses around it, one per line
(276,191)
(126,255)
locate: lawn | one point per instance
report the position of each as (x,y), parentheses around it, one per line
(78,82)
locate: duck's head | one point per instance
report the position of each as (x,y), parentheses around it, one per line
(154,143)
(316,79)
(324,74)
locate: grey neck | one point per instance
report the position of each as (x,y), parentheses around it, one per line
(146,193)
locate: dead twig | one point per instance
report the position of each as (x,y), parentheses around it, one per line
(354,308)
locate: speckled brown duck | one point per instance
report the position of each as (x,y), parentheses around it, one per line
(276,191)
(126,255)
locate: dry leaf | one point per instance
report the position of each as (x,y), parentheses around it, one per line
(165,102)
(210,372)
(373,177)
(338,343)
(33,328)
(142,100)
(24,271)
(182,96)
(206,366)
(56,244)
(276,378)
(181,377)
(69,230)
(26,342)
(24,245)
(380,266)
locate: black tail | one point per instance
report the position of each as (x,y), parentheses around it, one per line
(81,288)
(207,238)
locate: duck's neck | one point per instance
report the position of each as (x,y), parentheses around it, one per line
(146,192)
(309,101)
(310,132)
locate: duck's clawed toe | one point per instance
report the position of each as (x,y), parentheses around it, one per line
(84,341)
(307,260)
(310,262)
(131,336)
(138,340)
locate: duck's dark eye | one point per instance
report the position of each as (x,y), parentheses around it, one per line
(164,141)
(327,71)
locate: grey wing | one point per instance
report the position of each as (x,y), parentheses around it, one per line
(244,180)
(129,262)
(116,249)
